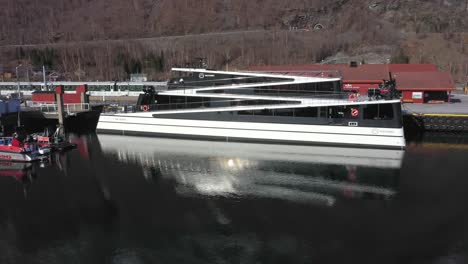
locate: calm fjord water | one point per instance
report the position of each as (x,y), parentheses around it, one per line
(139,200)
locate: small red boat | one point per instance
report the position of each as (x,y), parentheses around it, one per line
(54,144)
(12,149)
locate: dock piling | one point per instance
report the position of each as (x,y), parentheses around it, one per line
(59,90)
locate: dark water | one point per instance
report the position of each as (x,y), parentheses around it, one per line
(137,200)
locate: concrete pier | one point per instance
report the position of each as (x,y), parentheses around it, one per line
(448,117)
(458,106)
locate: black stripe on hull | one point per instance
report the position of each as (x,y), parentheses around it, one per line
(247,140)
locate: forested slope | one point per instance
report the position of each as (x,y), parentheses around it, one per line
(108,39)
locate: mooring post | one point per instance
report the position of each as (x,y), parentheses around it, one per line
(84,97)
(59,90)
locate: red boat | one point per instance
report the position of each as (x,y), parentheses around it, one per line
(12,149)
(55,141)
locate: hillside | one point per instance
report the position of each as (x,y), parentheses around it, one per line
(102,39)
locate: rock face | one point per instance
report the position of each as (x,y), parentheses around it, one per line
(78,33)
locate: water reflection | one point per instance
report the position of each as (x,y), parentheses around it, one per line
(296,173)
(136,200)
(22,172)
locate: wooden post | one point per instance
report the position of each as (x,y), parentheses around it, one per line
(82,90)
(84,98)
(59,90)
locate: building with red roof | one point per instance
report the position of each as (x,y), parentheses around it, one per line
(412,68)
(418,83)
(355,78)
(424,87)
(363,77)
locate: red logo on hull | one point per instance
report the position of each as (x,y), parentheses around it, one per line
(5,157)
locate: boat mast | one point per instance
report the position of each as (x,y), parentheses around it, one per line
(44,77)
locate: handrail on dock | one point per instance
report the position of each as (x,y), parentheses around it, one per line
(52,108)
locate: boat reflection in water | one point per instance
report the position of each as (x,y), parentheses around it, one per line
(21,171)
(138,200)
(246,170)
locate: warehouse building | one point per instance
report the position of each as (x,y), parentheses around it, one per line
(418,83)
(424,87)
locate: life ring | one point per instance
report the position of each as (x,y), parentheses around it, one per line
(352,97)
(145,108)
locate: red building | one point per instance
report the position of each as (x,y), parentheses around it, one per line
(357,78)
(423,79)
(412,68)
(48,97)
(424,87)
(363,77)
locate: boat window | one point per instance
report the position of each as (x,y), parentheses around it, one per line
(284,112)
(325,87)
(376,112)
(178,100)
(194,102)
(263,112)
(337,111)
(246,112)
(323,112)
(306,112)
(206,101)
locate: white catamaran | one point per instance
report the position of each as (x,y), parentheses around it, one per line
(290,108)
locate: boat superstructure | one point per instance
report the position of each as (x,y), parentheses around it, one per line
(291,108)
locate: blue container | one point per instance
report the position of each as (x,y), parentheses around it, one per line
(3,107)
(13,106)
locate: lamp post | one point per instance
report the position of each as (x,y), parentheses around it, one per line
(17,78)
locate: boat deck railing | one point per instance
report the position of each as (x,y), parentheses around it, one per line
(242,101)
(52,108)
(256,90)
(132,108)
(5,140)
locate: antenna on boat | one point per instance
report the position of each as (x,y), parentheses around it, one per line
(44,77)
(18,110)
(19,118)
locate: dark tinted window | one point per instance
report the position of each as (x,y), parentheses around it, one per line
(323,112)
(286,90)
(376,111)
(284,112)
(263,112)
(337,111)
(247,112)
(305,112)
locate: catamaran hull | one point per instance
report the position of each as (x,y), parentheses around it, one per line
(370,137)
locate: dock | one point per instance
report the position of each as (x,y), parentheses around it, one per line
(446,117)
(443,117)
